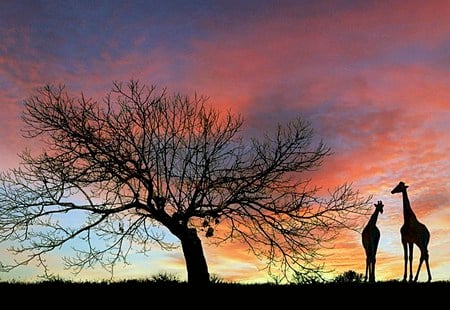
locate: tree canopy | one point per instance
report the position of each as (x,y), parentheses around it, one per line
(140,159)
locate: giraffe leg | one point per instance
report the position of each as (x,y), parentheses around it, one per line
(411,251)
(405,257)
(423,257)
(418,268)
(370,270)
(373,269)
(428,270)
(428,266)
(367,268)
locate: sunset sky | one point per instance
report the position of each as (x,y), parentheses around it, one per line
(372,77)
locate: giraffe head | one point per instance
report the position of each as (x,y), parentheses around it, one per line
(379,206)
(400,188)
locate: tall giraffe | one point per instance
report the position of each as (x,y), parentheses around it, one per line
(370,239)
(412,232)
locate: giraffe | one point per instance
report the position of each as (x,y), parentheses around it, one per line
(370,239)
(412,232)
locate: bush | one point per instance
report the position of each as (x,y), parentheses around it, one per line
(349,276)
(165,278)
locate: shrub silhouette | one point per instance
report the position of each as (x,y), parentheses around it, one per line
(349,276)
(165,277)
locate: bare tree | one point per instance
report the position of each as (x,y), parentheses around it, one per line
(141,159)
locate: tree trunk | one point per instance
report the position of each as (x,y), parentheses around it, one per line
(197,268)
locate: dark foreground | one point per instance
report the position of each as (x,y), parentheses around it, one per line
(55,294)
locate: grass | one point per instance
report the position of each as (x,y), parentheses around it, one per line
(171,293)
(169,283)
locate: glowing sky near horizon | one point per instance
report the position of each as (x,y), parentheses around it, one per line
(372,77)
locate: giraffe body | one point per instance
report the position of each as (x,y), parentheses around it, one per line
(412,232)
(370,240)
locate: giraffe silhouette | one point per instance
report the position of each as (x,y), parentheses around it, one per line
(412,232)
(370,239)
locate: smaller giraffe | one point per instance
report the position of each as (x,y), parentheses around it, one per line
(370,239)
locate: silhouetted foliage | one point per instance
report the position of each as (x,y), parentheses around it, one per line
(216,279)
(141,159)
(307,277)
(349,276)
(165,278)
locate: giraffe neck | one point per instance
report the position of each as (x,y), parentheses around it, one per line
(373,218)
(408,214)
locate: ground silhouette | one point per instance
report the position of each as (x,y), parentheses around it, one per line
(180,295)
